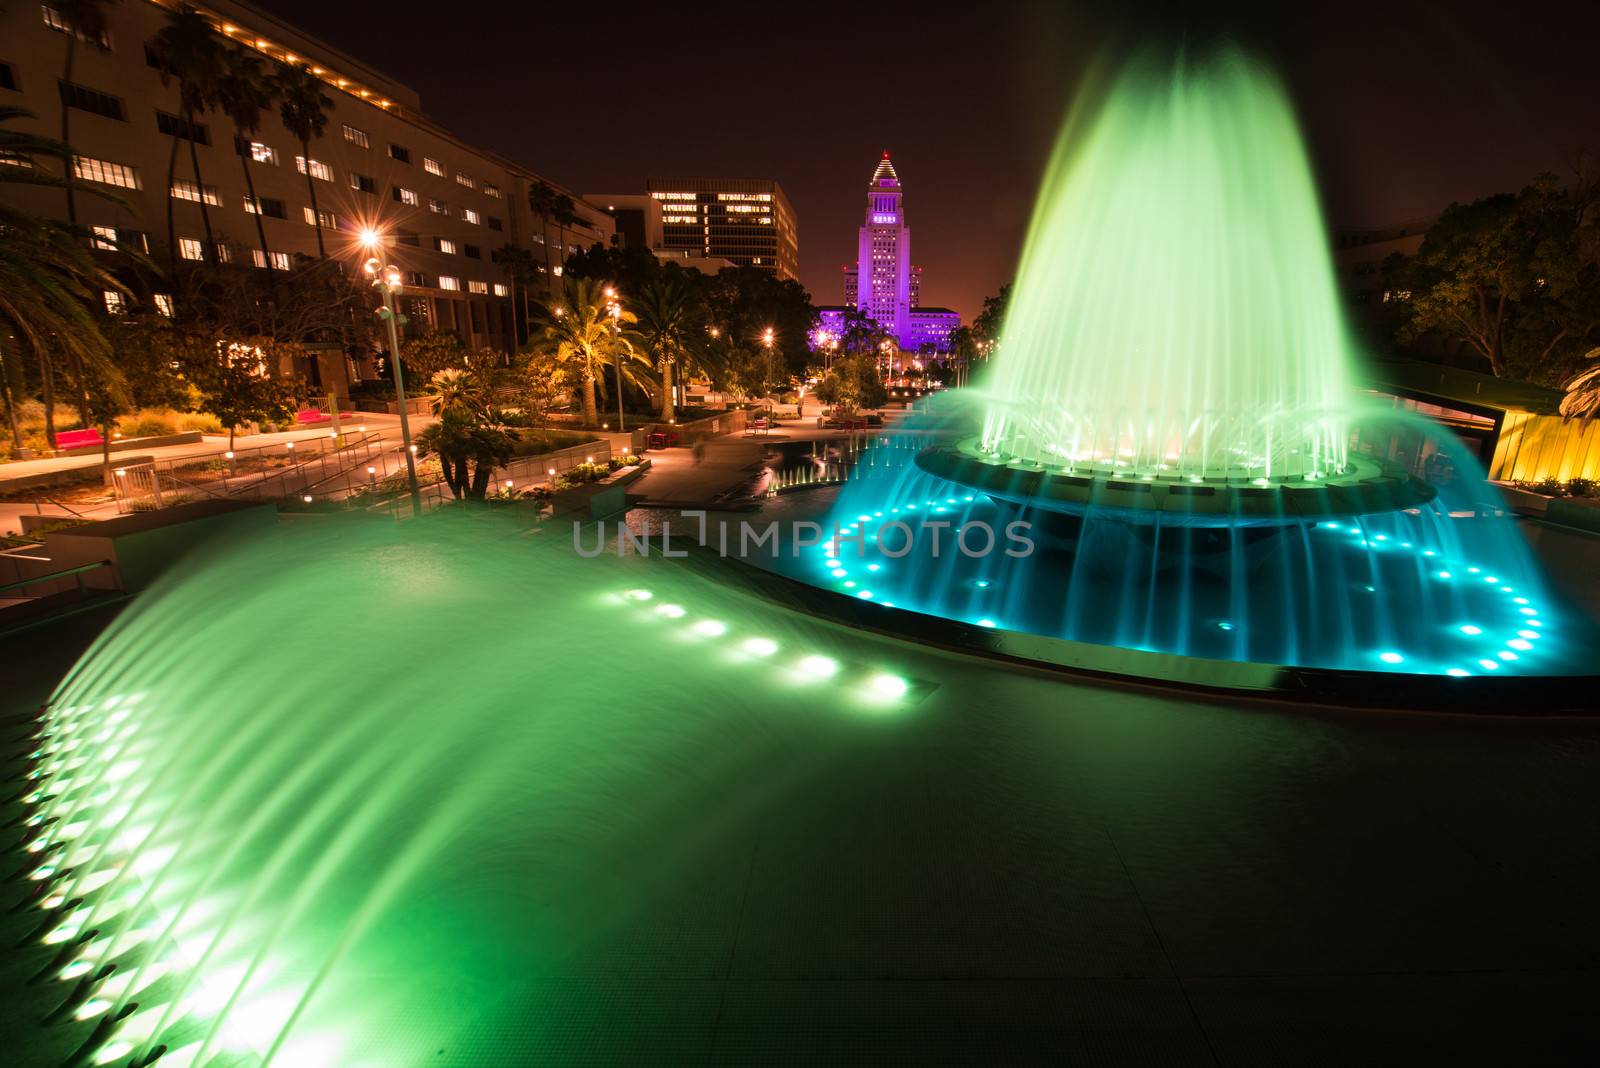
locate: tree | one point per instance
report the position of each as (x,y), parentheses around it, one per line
(187,49)
(853,382)
(51,286)
(459,440)
(235,378)
(430,352)
(860,334)
(744,302)
(542,383)
(542,203)
(303,107)
(86,21)
(523,270)
(1513,278)
(1583,391)
(672,328)
(990,322)
(243,94)
(581,332)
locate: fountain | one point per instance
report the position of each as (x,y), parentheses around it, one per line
(1172,416)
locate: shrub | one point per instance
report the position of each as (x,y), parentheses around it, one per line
(539,442)
(1550,487)
(1583,487)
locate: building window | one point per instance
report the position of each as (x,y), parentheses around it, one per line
(471,216)
(98,170)
(224,253)
(280,260)
(406,196)
(173,126)
(449,282)
(8,77)
(190,249)
(478,287)
(328,219)
(495,223)
(259,152)
(91,100)
(136,240)
(400,152)
(501,289)
(416,279)
(365,183)
(105,238)
(472,252)
(437,206)
(538,239)
(355,136)
(466,180)
(184,189)
(319,169)
(432,166)
(164,304)
(491,190)
(408,237)
(271,207)
(113,302)
(445,245)
(54,20)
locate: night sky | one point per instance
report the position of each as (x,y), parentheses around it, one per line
(1406,105)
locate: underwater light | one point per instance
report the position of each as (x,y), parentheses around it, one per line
(986,623)
(1488,665)
(759,646)
(1520,643)
(710,628)
(839,572)
(1391,658)
(888,685)
(1470,629)
(1458,673)
(640,595)
(820,667)
(672,611)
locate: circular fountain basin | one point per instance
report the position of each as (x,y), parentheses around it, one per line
(1365,487)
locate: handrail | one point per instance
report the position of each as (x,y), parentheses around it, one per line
(55,575)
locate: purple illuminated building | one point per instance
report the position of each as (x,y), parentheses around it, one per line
(884,283)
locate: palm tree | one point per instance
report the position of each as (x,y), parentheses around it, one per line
(243,95)
(459,439)
(1583,391)
(85,19)
(49,282)
(519,266)
(582,331)
(672,328)
(542,202)
(303,107)
(189,51)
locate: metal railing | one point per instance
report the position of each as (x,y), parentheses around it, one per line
(75,573)
(266,471)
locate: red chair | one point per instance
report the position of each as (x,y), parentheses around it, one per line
(75,439)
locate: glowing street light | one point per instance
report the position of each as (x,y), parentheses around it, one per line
(386,280)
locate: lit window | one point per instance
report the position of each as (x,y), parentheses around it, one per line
(98,170)
(105,238)
(406,196)
(501,289)
(268,206)
(432,166)
(280,260)
(448,282)
(471,216)
(224,253)
(355,136)
(466,180)
(319,170)
(55,20)
(190,249)
(328,219)
(478,287)
(261,153)
(491,190)
(164,304)
(437,206)
(445,245)
(113,302)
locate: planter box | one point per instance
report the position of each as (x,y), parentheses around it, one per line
(414,406)
(143,545)
(1580,513)
(187,437)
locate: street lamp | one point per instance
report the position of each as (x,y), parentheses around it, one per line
(386,280)
(767,338)
(614,309)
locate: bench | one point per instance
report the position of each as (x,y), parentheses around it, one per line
(310,415)
(77,439)
(661,440)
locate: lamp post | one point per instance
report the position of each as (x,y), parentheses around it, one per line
(614,309)
(386,280)
(767,338)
